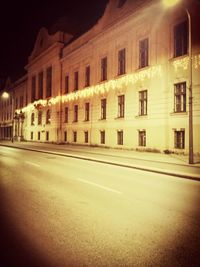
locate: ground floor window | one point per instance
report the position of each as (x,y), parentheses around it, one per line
(47,136)
(142,138)
(86,136)
(179,139)
(65,136)
(74,136)
(31,135)
(102,137)
(38,136)
(120,137)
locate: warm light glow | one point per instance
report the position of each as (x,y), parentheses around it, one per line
(98,89)
(170,3)
(5,95)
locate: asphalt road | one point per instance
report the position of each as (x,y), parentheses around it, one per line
(57,211)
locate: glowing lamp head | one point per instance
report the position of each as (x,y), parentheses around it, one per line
(170,3)
(5,95)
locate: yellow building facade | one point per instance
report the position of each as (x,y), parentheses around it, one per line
(123,84)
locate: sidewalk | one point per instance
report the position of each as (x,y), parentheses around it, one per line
(172,164)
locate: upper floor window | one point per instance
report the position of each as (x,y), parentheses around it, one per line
(87,76)
(48,117)
(75,113)
(66,84)
(180,97)
(39,117)
(66,114)
(87,111)
(21,101)
(32,118)
(104,69)
(121,106)
(143,102)
(75,80)
(33,89)
(49,82)
(40,85)
(144,53)
(180,39)
(122,61)
(103,109)
(179,139)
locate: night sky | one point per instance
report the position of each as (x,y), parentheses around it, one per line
(21,21)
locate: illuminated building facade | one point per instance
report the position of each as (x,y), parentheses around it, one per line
(122,84)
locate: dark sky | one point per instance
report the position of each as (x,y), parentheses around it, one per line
(21,21)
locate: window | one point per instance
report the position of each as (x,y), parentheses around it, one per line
(16,103)
(47,136)
(65,136)
(87,111)
(103,109)
(102,137)
(75,80)
(120,137)
(32,119)
(86,136)
(66,114)
(121,106)
(38,136)
(180,39)
(143,53)
(75,136)
(66,84)
(179,139)
(87,76)
(180,97)
(75,113)
(40,85)
(142,138)
(48,117)
(143,102)
(33,89)
(21,101)
(122,62)
(39,117)
(31,135)
(104,69)
(49,82)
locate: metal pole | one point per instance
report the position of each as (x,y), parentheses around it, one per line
(191,156)
(12,134)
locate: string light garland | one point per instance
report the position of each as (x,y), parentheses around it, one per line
(112,84)
(102,88)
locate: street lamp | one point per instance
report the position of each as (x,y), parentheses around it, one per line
(170,3)
(6,95)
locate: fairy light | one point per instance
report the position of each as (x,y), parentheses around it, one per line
(183,63)
(99,89)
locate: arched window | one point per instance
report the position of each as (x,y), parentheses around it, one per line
(32,118)
(39,117)
(48,117)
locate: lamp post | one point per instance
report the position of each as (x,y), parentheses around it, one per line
(6,95)
(169,3)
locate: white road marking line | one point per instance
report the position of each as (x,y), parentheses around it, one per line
(31,163)
(100,186)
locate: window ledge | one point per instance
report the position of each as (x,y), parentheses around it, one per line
(142,116)
(74,121)
(102,119)
(119,118)
(86,120)
(179,113)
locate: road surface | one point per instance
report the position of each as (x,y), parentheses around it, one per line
(58,211)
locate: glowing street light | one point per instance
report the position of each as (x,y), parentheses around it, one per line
(6,95)
(170,3)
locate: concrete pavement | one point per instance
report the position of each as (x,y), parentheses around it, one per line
(172,164)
